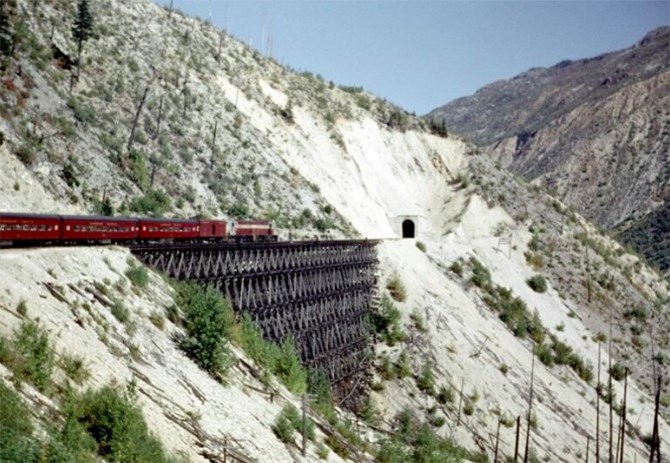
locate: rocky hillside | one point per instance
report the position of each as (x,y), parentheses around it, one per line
(595,132)
(500,270)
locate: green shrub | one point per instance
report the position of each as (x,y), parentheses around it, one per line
(618,371)
(75,368)
(120,312)
(404,369)
(286,423)
(207,321)
(537,283)
(457,268)
(16,442)
(426,380)
(419,322)
(116,426)
(322,451)
(282,361)
(26,154)
(154,202)
(421,246)
(289,369)
(137,275)
(369,412)
(445,395)
(33,357)
(386,322)
(22,308)
(396,288)
(481,277)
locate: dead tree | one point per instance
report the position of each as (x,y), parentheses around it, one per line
(530,408)
(136,119)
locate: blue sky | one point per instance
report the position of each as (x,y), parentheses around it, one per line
(422,54)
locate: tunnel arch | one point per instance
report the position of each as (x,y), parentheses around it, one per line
(408,228)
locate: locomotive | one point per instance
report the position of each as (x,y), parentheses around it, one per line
(38,229)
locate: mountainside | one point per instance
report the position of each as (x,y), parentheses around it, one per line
(595,132)
(502,279)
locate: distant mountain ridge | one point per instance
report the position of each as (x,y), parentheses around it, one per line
(595,131)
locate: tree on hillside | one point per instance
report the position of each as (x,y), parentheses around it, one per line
(6,30)
(82,29)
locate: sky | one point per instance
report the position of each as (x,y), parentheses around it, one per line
(422,54)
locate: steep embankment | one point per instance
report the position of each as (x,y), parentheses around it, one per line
(595,132)
(226,132)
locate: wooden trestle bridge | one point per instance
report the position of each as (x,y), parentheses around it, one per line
(318,292)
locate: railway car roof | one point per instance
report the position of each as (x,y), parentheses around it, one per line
(147,219)
(99,218)
(17,215)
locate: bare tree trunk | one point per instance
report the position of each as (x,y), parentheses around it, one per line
(530,408)
(460,402)
(655,438)
(160,117)
(216,125)
(598,409)
(136,119)
(516,444)
(221,39)
(495,453)
(609,388)
(588,442)
(623,416)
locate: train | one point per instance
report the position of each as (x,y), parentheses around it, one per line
(17,229)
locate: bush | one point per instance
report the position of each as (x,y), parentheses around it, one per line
(120,312)
(618,371)
(109,421)
(421,246)
(154,202)
(481,277)
(207,321)
(32,358)
(396,288)
(16,442)
(74,368)
(26,154)
(137,275)
(426,381)
(446,395)
(386,322)
(457,268)
(537,283)
(286,423)
(282,361)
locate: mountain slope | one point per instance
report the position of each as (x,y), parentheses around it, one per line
(227,132)
(595,132)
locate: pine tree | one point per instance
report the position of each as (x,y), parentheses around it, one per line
(6,34)
(82,28)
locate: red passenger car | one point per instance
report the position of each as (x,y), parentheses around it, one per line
(101,229)
(254,230)
(28,228)
(168,229)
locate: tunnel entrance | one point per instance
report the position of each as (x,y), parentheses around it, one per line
(408,228)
